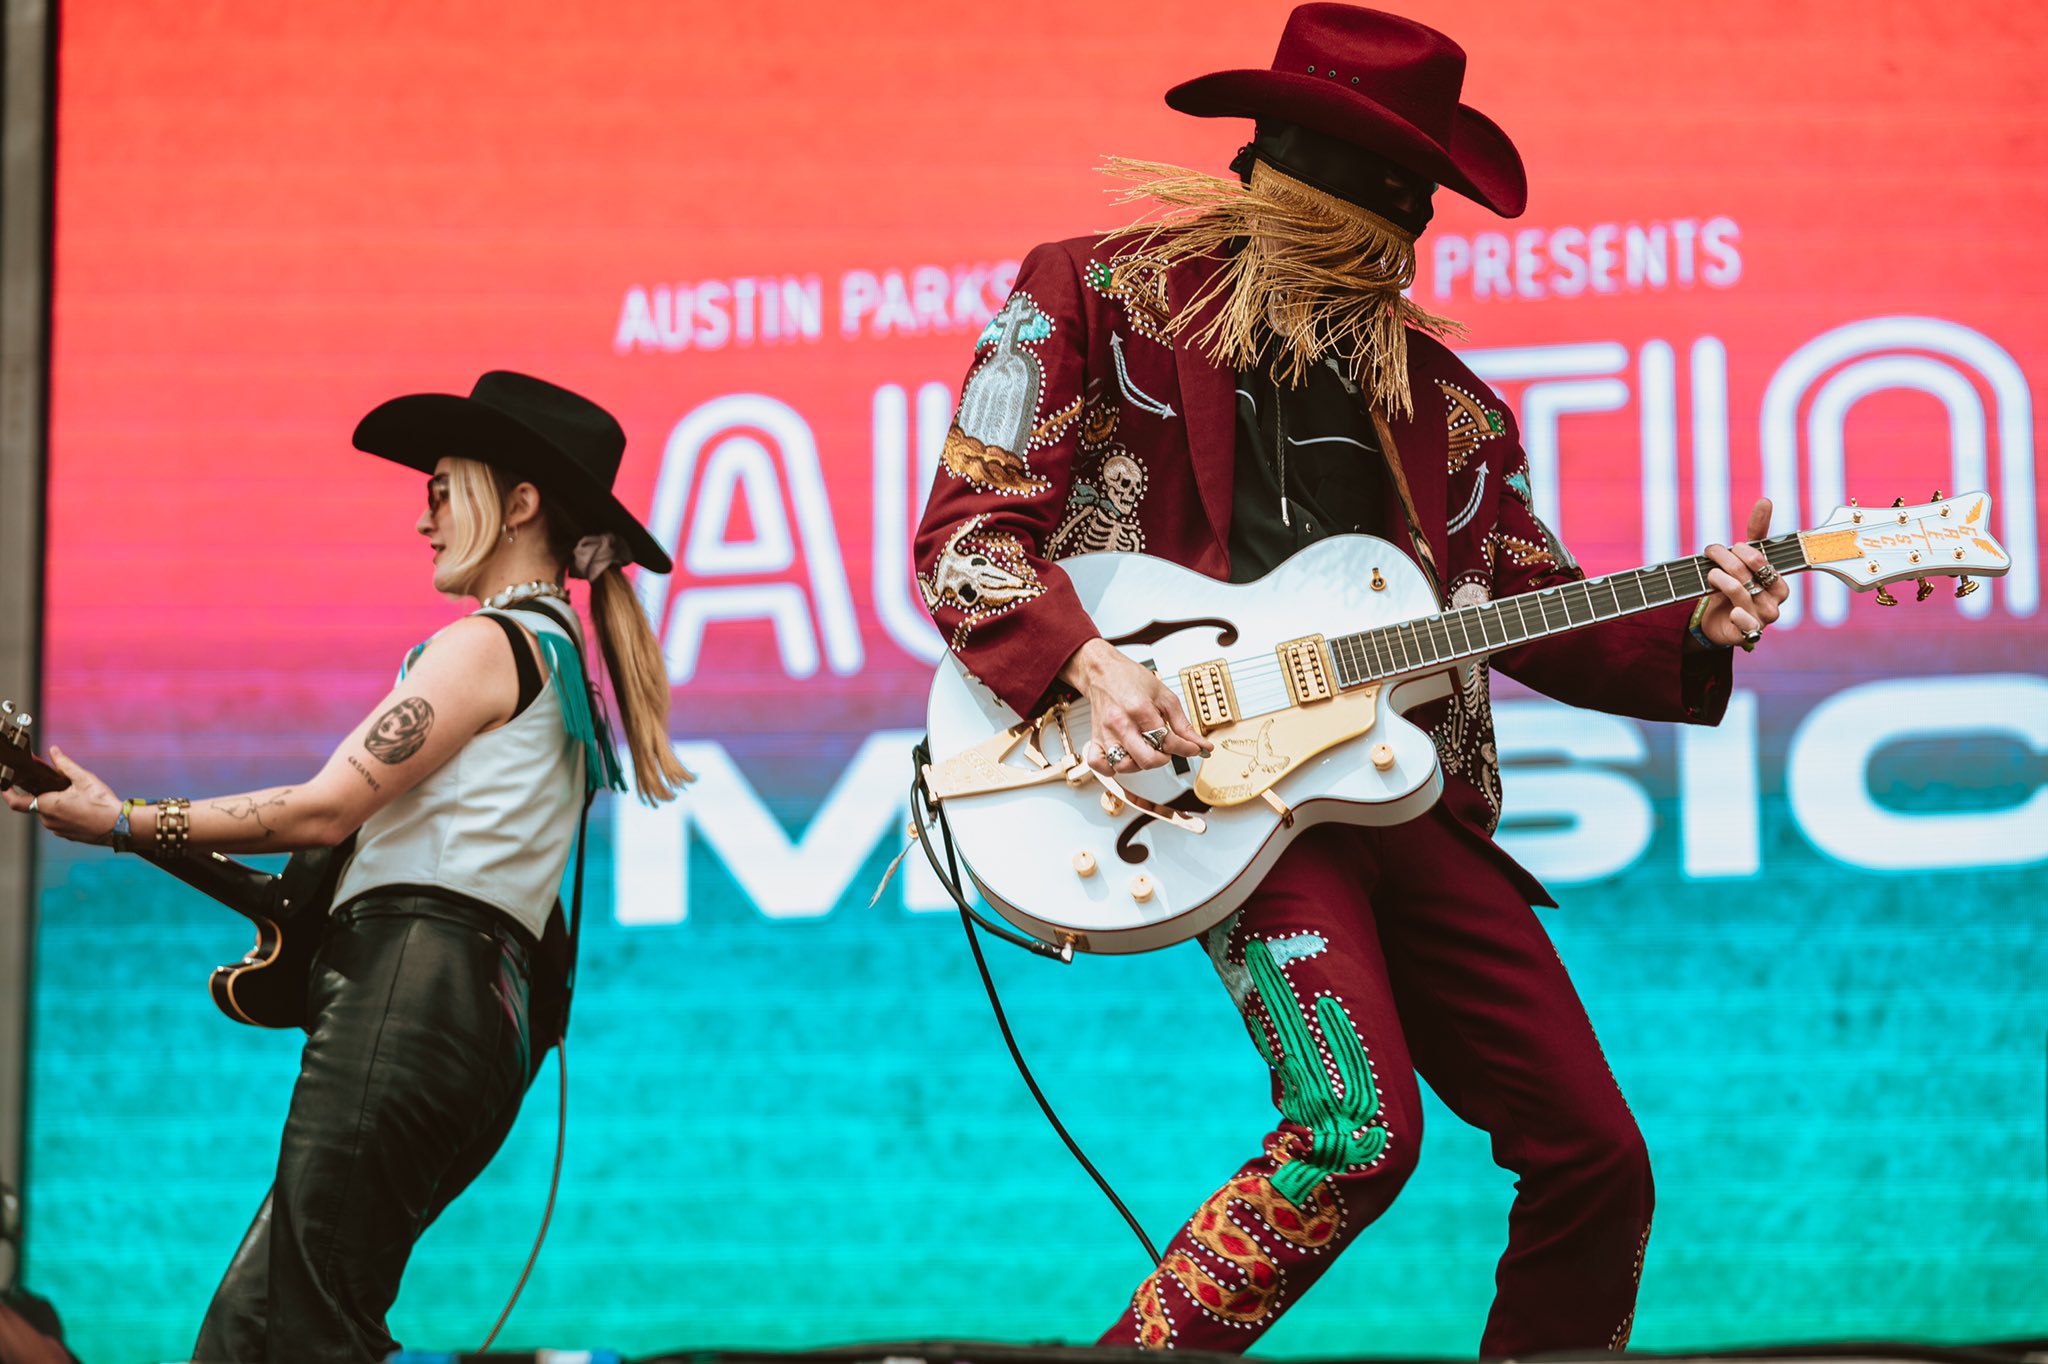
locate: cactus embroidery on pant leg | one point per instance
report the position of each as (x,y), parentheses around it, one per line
(1338,1113)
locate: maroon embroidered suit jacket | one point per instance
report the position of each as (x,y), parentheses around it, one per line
(1082,427)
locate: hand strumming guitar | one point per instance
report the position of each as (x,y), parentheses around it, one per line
(1125,700)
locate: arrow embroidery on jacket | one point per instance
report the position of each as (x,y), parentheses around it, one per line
(1471,509)
(1136,396)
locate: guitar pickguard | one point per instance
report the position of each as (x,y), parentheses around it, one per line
(1254,753)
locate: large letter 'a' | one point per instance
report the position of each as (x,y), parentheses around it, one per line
(756,449)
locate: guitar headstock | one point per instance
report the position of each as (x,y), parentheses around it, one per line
(19,766)
(1872,547)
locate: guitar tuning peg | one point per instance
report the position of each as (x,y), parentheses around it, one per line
(1926,591)
(1965,586)
(1898,502)
(1885,597)
(1938,495)
(1852,501)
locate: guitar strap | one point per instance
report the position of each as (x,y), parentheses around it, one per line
(1416,537)
(561,957)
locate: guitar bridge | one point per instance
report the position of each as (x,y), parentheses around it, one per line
(1306,666)
(1211,700)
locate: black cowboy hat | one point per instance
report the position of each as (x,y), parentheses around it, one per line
(567,445)
(1378,81)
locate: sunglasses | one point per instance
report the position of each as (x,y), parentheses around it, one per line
(437,493)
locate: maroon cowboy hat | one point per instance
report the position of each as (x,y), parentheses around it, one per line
(1386,83)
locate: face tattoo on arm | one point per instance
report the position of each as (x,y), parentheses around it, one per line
(400,731)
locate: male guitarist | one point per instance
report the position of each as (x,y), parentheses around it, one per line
(1222,393)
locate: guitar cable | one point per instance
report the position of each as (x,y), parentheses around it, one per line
(922,808)
(554,1186)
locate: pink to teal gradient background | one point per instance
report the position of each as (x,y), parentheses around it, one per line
(1766,242)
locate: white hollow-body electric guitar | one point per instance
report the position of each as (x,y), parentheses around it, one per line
(1302,681)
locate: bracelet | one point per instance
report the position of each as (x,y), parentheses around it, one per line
(173,824)
(1692,627)
(119,837)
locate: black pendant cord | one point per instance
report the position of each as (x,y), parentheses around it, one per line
(949,876)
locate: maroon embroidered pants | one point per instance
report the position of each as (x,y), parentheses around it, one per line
(1365,957)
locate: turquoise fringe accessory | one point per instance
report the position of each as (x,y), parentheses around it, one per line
(583,722)
(587,727)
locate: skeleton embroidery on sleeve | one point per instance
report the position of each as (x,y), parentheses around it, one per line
(1102,510)
(980,574)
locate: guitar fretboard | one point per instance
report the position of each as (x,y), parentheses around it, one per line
(1489,627)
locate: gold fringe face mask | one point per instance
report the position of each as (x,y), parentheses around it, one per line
(1318,275)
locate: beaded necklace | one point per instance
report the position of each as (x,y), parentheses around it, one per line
(522,591)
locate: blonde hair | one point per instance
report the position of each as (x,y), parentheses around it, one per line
(1322,277)
(477,493)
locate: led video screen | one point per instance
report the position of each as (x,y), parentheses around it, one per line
(1770,248)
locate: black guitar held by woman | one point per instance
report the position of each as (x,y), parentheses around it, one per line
(267,987)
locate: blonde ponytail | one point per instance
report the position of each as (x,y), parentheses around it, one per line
(632,658)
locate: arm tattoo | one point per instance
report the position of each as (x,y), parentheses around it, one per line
(400,732)
(364,772)
(252,807)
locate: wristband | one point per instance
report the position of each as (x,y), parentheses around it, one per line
(1692,627)
(119,838)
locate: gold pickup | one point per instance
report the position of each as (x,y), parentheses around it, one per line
(1211,699)
(1305,663)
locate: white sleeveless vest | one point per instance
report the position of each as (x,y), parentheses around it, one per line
(496,821)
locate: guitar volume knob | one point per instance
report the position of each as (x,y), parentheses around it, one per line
(1084,863)
(1141,888)
(1383,757)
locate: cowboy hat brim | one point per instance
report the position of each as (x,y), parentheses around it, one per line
(1480,162)
(420,429)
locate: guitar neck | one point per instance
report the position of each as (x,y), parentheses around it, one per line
(251,893)
(244,889)
(1476,631)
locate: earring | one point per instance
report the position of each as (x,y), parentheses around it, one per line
(511,534)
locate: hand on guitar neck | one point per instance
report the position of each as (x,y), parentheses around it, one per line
(267,987)
(83,809)
(1733,614)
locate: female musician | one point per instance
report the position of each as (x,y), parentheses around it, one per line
(462,790)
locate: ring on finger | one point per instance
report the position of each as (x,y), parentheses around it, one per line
(1755,586)
(1156,738)
(1766,575)
(1116,755)
(1750,637)
(34,802)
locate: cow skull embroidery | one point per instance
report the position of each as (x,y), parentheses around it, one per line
(979,574)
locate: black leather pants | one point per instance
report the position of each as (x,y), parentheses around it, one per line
(413,1072)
